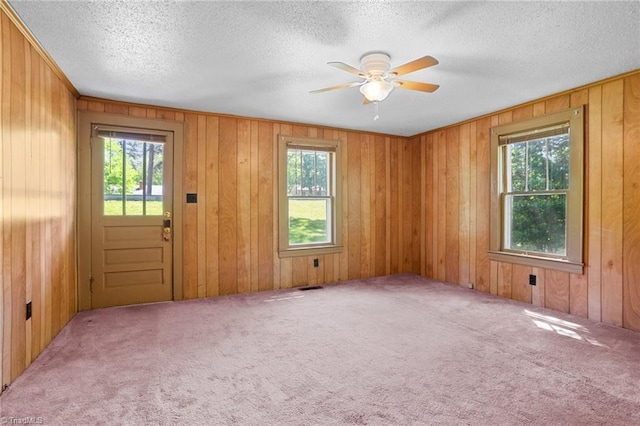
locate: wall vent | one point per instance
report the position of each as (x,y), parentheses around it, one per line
(310,287)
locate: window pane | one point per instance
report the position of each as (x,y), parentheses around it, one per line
(516,155)
(559,161)
(537,165)
(294,172)
(537,223)
(307,173)
(133,173)
(308,221)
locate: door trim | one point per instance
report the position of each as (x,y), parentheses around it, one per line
(85,120)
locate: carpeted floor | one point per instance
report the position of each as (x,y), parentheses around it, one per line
(384,351)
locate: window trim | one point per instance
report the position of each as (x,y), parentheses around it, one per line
(573,261)
(284,248)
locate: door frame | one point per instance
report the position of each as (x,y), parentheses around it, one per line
(85,121)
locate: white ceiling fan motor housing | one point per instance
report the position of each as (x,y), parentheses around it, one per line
(375,64)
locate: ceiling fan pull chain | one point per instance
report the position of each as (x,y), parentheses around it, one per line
(376,116)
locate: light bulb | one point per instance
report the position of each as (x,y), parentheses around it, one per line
(376,90)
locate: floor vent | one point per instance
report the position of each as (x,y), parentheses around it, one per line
(310,287)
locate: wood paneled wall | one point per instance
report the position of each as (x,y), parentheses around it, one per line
(455,208)
(230,234)
(37,202)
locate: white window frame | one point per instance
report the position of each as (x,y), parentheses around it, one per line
(335,187)
(573,260)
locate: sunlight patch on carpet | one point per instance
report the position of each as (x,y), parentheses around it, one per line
(562,327)
(279,299)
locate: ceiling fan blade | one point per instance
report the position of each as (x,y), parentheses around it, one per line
(418,64)
(339,86)
(414,85)
(348,68)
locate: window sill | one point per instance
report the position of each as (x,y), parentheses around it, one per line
(310,251)
(537,262)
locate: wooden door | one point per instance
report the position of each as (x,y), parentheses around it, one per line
(131,209)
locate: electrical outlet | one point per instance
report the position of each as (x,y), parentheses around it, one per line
(316,263)
(470,285)
(532,279)
(28,310)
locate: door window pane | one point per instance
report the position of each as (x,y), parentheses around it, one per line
(133,173)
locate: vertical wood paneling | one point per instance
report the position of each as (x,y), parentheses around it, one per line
(473,205)
(381,190)
(7,199)
(394,203)
(451,231)
(254,207)
(578,295)
(243,211)
(35,209)
(522,113)
(277,276)
(299,271)
(537,291)
(190,210)
(520,288)
(557,103)
(504,277)
(354,223)
(3,107)
(365,206)
(631,213)
(416,200)
(464,256)
(539,108)
(265,205)
(343,258)
(227,207)
(557,290)
(407,195)
(423,207)
(18,207)
(37,159)
(594,207)
(442,224)
(49,150)
(202,204)
(494,283)
(435,170)
(612,205)
(211,213)
(483,172)
(429,204)
(29,196)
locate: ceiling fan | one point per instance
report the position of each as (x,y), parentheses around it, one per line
(380,79)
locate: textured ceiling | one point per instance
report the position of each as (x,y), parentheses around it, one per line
(260,59)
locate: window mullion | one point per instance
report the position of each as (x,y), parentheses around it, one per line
(526,166)
(546,156)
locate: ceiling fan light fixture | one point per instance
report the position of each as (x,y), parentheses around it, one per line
(376,90)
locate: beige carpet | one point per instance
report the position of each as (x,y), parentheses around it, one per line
(394,350)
